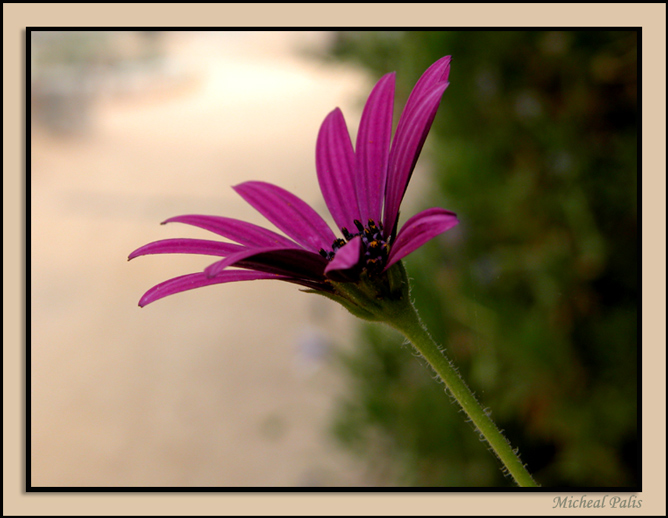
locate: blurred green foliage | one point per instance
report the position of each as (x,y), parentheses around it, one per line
(535,293)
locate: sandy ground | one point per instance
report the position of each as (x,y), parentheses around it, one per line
(224,386)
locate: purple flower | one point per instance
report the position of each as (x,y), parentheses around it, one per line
(363,189)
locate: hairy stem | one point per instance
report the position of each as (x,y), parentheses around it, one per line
(387,299)
(408,323)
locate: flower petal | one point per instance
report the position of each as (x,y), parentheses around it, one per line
(408,141)
(289,213)
(236,230)
(187,246)
(347,256)
(418,230)
(335,165)
(372,149)
(438,72)
(292,262)
(297,264)
(199,280)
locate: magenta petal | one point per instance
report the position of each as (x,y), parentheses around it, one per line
(289,213)
(438,72)
(299,265)
(347,256)
(236,230)
(335,165)
(217,267)
(199,280)
(187,246)
(418,230)
(292,262)
(372,149)
(408,141)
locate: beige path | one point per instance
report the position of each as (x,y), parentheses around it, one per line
(223,386)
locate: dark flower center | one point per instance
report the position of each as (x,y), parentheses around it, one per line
(374,246)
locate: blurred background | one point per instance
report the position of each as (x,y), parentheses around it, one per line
(534,294)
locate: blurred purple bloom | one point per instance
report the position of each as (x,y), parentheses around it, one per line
(363,189)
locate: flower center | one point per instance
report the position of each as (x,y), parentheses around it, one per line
(374,246)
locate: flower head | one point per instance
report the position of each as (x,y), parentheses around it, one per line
(363,189)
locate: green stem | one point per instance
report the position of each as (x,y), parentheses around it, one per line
(387,299)
(408,323)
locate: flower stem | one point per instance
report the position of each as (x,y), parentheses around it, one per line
(387,299)
(408,323)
